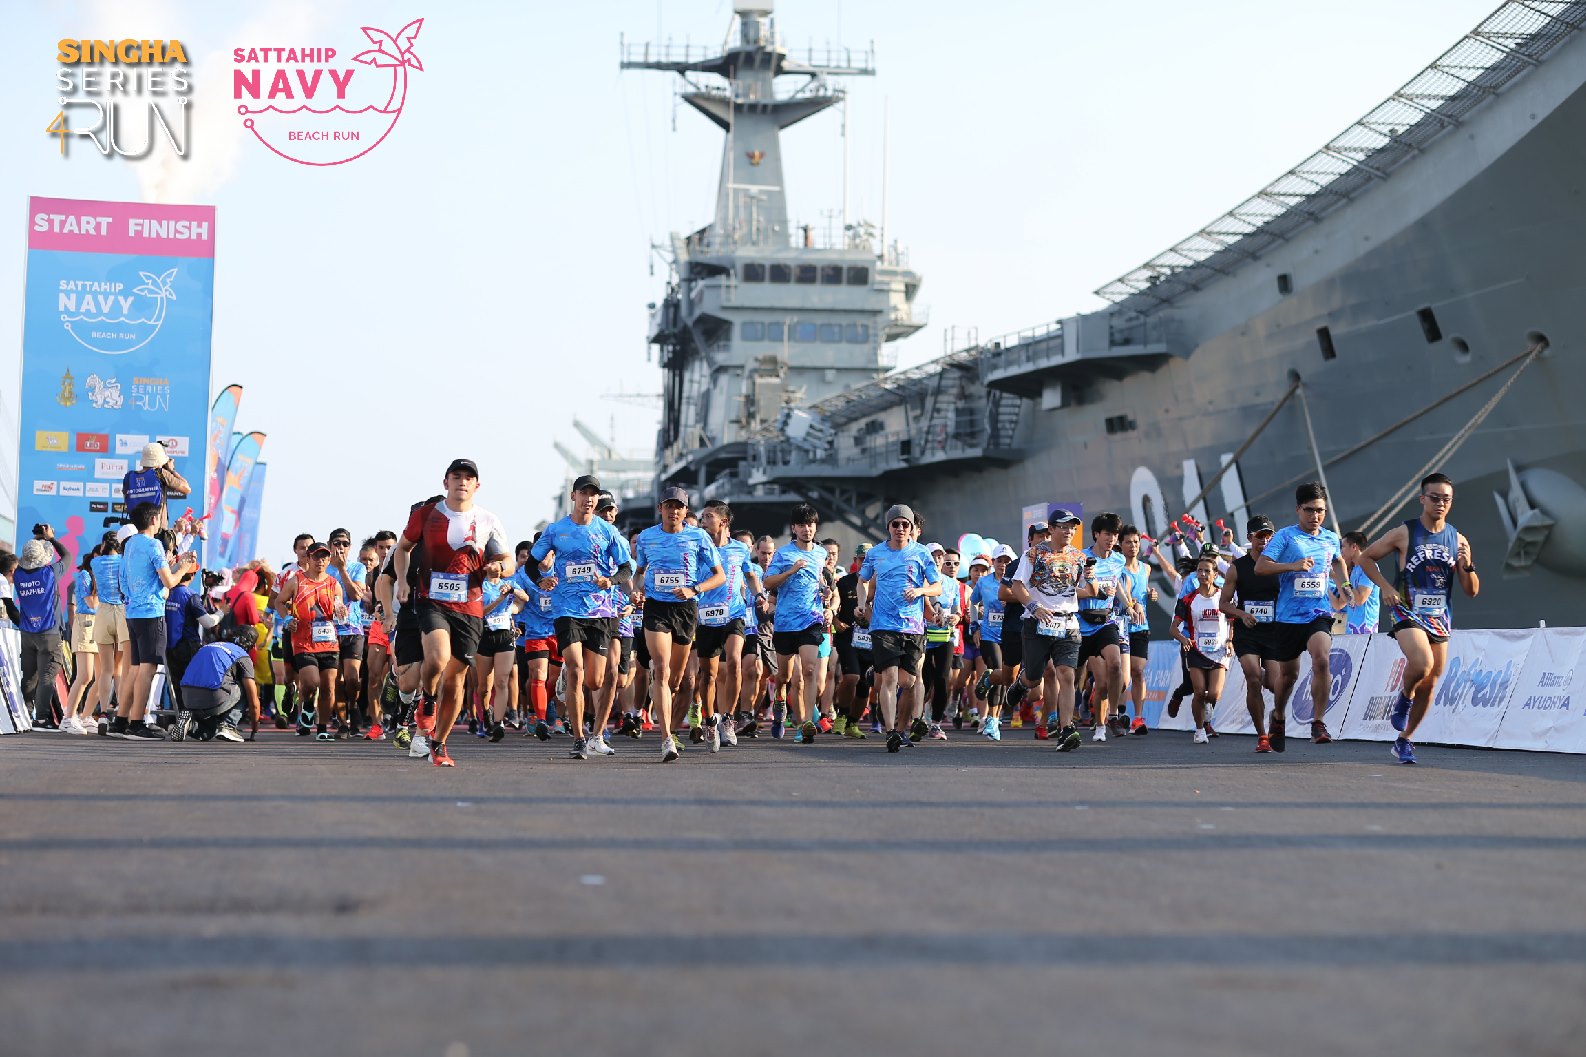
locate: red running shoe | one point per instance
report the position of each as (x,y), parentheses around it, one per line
(1040,732)
(1319,732)
(440,757)
(1263,743)
(375,733)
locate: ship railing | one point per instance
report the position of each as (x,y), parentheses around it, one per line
(870,453)
(828,59)
(1039,347)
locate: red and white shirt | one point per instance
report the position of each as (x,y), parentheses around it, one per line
(451,548)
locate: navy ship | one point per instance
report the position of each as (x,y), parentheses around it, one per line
(1404,300)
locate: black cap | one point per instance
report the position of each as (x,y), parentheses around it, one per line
(1212,551)
(466,466)
(1185,565)
(1036,528)
(607,501)
(672,493)
(588,480)
(319,548)
(1259,523)
(1062,516)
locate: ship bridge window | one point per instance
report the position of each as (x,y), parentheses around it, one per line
(831,275)
(1429,328)
(776,332)
(1324,338)
(1120,424)
(1285,284)
(805,274)
(831,333)
(753,273)
(781,273)
(751,331)
(804,333)
(857,333)
(858,276)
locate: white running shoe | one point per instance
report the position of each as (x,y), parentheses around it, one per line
(724,728)
(1201,738)
(1101,732)
(668,749)
(227,732)
(599,747)
(419,747)
(713,735)
(71,725)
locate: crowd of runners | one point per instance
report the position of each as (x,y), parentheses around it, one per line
(693,628)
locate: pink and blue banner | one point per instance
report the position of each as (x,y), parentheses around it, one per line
(245,544)
(221,418)
(239,466)
(116,331)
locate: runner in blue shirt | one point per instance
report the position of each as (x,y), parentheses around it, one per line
(1302,555)
(588,557)
(795,576)
(537,652)
(1362,604)
(678,563)
(1433,555)
(1102,645)
(894,580)
(148,577)
(1137,571)
(722,614)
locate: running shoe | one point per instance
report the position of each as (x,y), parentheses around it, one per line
(418,746)
(1174,700)
(1400,716)
(324,735)
(825,725)
(227,732)
(599,746)
(1201,738)
(1403,751)
(729,737)
(542,730)
(983,686)
(179,729)
(1139,729)
(483,731)
(440,757)
(404,738)
(630,726)
(343,732)
(992,729)
(144,732)
(713,735)
(1263,743)
(669,751)
(1041,732)
(918,729)
(473,726)
(750,729)
(798,736)
(579,751)
(958,721)
(1100,733)
(937,733)
(645,723)
(1068,739)
(1211,731)
(778,721)
(875,725)
(853,730)
(1277,728)
(1016,694)
(894,741)
(809,730)
(1017,722)
(1319,732)
(498,731)
(375,733)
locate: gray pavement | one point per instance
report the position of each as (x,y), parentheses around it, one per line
(291,897)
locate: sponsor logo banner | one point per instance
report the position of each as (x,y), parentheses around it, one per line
(50,440)
(97,490)
(98,443)
(71,488)
(131,443)
(1548,708)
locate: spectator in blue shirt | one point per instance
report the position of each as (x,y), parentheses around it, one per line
(37,580)
(148,576)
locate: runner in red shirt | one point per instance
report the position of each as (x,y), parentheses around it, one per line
(450,542)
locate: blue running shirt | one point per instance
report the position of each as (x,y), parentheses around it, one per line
(798,600)
(1303,597)
(672,560)
(534,620)
(990,608)
(1139,581)
(1108,570)
(1427,580)
(583,552)
(894,571)
(141,559)
(722,605)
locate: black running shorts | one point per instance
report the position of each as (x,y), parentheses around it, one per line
(592,633)
(787,643)
(711,641)
(1291,640)
(897,649)
(463,629)
(677,619)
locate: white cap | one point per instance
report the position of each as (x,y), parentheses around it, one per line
(980,559)
(935,548)
(154,456)
(1003,551)
(126,532)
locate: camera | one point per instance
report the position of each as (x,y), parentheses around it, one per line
(211,580)
(38,529)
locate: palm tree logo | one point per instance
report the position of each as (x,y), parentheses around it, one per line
(98,329)
(396,53)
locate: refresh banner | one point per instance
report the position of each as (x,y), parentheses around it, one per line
(118,307)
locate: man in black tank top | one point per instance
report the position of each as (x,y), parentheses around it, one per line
(1253,617)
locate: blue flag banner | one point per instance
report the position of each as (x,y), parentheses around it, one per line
(245,544)
(118,309)
(221,417)
(239,465)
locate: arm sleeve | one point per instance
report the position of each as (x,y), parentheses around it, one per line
(541,548)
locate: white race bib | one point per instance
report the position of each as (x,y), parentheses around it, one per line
(670,580)
(1105,586)
(1209,643)
(1057,624)
(322,631)
(499,621)
(861,638)
(713,615)
(545,603)
(1264,612)
(448,587)
(994,618)
(1310,585)
(1428,603)
(579,573)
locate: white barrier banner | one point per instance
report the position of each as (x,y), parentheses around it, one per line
(16,714)
(1548,708)
(1479,677)
(1232,716)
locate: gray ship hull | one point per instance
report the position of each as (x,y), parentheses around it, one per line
(1497,257)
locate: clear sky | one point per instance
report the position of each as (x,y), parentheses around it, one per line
(482,276)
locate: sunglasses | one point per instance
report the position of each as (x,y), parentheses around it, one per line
(1314,509)
(901,524)
(1439,499)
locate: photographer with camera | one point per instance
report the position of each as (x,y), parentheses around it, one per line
(41,568)
(155,481)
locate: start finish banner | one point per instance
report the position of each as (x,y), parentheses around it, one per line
(115,353)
